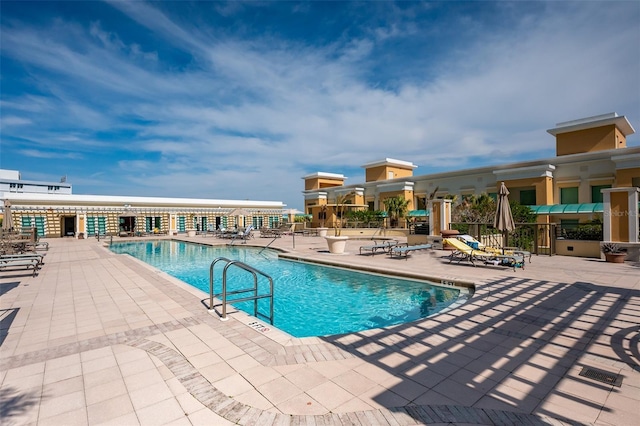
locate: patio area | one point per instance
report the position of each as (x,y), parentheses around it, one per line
(99,338)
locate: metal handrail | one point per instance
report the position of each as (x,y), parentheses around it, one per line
(224,293)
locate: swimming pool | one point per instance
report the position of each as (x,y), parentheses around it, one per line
(309,299)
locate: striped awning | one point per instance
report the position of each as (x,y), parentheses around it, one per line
(568,208)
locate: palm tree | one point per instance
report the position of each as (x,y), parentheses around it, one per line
(341,200)
(396,207)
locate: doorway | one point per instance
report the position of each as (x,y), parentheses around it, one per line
(69,226)
(127,224)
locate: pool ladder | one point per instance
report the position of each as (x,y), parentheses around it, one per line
(224,293)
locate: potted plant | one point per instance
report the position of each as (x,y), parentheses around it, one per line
(613,253)
(337,242)
(322,231)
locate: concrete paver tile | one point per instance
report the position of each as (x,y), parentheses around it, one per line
(330,395)
(146,396)
(105,391)
(56,405)
(278,390)
(216,372)
(233,385)
(137,366)
(205,359)
(101,376)
(63,387)
(306,378)
(253,398)
(70,418)
(354,404)
(18,373)
(110,409)
(98,364)
(129,419)
(301,404)
(160,413)
(353,382)
(61,362)
(208,417)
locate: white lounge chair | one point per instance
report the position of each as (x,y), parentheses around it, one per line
(385,246)
(405,250)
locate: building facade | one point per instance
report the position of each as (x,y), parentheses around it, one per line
(592,158)
(59,213)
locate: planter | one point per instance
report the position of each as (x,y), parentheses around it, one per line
(336,244)
(615,257)
(191,232)
(322,232)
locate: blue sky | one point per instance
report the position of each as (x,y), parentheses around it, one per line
(239,100)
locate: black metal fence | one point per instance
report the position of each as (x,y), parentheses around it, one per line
(538,238)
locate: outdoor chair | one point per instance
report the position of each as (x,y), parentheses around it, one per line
(405,250)
(463,252)
(384,246)
(20,263)
(475,244)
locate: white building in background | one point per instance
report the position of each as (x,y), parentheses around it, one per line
(11,181)
(55,212)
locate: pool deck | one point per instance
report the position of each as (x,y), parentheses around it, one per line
(99,338)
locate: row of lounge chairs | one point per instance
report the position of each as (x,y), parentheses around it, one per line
(28,261)
(463,252)
(465,249)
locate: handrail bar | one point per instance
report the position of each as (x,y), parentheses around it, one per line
(270,242)
(255,272)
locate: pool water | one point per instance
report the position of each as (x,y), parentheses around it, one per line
(309,299)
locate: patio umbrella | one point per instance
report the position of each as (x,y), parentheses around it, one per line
(7,221)
(239,212)
(503,221)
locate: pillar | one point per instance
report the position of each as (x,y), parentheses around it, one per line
(439,216)
(620,221)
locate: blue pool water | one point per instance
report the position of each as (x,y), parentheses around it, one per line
(310,300)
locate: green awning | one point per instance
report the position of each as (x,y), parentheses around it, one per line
(568,208)
(418,213)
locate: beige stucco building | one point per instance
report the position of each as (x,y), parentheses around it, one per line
(58,215)
(593,171)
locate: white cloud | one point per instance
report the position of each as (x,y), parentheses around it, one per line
(250,117)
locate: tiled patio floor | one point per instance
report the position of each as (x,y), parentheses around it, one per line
(99,338)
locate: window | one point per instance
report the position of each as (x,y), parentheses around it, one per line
(152,223)
(528,197)
(389,175)
(596,195)
(569,195)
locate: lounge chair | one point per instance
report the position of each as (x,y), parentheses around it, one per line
(404,250)
(243,235)
(384,246)
(23,256)
(473,243)
(28,263)
(464,252)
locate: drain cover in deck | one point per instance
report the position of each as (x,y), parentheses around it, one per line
(602,376)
